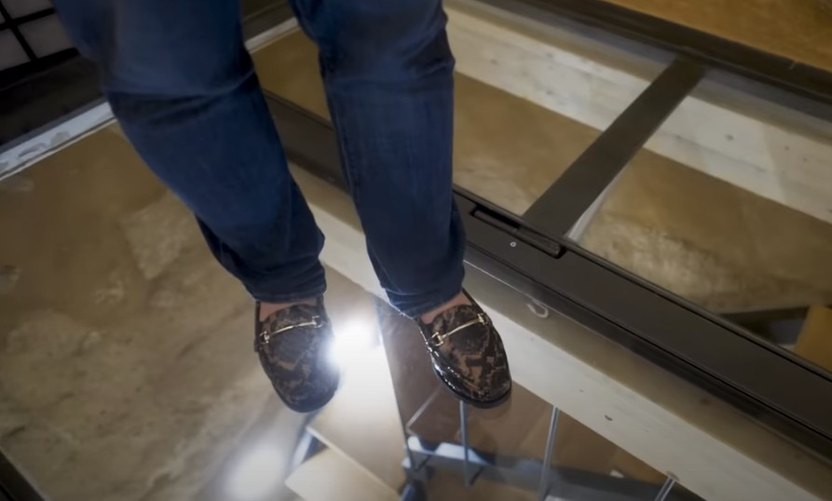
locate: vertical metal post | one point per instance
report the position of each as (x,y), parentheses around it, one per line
(410,458)
(579,228)
(463,423)
(666,488)
(546,467)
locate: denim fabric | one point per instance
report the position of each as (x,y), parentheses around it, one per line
(182,86)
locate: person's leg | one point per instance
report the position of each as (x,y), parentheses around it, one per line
(388,73)
(183,88)
(182,85)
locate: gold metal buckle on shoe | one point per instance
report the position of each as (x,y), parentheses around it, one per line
(316,322)
(439,339)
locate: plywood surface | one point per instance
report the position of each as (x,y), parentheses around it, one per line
(800,30)
(362,422)
(328,475)
(505,148)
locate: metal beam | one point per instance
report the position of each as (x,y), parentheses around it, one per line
(771,77)
(566,200)
(14,486)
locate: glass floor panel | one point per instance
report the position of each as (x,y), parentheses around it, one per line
(132,375)
(729,205)
(507,149)
(126,369)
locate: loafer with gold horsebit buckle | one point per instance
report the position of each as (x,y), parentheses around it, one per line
(293,346)
(468,355)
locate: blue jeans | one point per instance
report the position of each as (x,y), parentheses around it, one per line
(183,87)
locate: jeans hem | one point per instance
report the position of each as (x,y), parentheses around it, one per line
(417,311)
(289,297)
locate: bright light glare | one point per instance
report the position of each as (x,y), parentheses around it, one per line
(353,341)
(257,475)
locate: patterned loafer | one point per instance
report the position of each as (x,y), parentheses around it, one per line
(293,345)
(468,355)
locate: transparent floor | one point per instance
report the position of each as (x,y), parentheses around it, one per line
(507,149)
(728,205)
(126,362)
(126,368)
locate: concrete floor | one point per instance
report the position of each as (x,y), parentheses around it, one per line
(126,367)
(125,355)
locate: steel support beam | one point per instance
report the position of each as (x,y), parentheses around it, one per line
(566,200)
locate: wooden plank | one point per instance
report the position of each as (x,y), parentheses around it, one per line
(674,427)
(450,486)
(558,71)
(815,340)
(362,422)
(797,30)
(328,475)
(577,446)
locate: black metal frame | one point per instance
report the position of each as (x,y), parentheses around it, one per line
(13,485)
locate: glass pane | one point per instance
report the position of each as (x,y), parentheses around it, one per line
(528,100)
(127,373)
(11,53)
(45,36)
(126,354)
(729,205)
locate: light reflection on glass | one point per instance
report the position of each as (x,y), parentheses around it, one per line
(353,342)
(257,474)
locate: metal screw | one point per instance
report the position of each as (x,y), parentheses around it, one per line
(513,244)
(539,309)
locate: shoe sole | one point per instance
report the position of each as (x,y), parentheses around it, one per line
(480,404)
(314,408)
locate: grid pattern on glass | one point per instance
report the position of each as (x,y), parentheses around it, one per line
(34,29)
(798,31)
